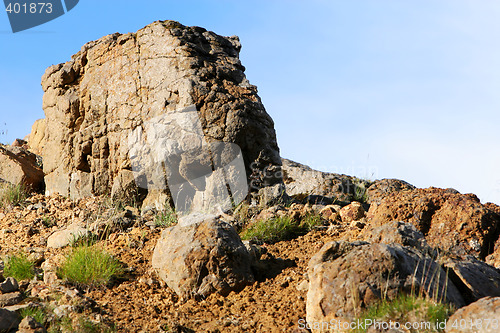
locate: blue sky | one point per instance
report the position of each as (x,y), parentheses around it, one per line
(377,89)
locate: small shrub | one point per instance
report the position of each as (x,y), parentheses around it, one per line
(12,195)
(166,218)
(408,308)
(90,266)
(19,267)
(48,222)
(280,228)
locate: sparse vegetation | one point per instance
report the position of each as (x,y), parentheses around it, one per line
(408,308)
(90,266)
(12,195)
(166,218)
(360,190)
(37,313)
(19,267)
(80,325)
(280,228)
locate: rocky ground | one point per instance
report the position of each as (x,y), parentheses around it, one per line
(140,302)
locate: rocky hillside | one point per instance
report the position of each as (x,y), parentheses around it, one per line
(89,242)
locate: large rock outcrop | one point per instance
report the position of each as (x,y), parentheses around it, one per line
(117,84)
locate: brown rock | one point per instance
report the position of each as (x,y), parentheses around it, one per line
(449,220)
(116,84)
(30,325)
(352,212)
(202,258)
(36,140)
(347,277)
(381,188)
(482,316)
(19,167)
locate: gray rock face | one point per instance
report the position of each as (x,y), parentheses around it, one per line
(482,316)
(8,320)
(347,277)
(19,167)
(116,84)
(202,258)
(302,181)
(474,278)
(396,232)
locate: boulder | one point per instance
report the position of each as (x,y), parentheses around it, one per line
(352,212)
(9,320)
(470,228)
(19,167)
(347,277)
(118,88)
(482,316)
(303,182)
(202,258)
(67,235)
(474,278)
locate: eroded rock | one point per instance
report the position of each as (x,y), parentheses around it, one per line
(19,167)
(116,84)
(482,316)
(347,277)
(202,258)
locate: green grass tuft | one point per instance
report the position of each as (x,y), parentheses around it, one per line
(407,308)
(37,313)
(166,218)
(280,228)
(90,266)
(19,267)
(12,195)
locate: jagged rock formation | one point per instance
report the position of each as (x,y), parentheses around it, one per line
(117,83)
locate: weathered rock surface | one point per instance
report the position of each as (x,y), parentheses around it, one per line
(19,167)
(116,84)
(482,316)
(30,325)
(380,188)
(346,277)
(9,285)
(301,181)
(396,232)
(8,320)
(64,237)
(10,298)
(352,212)
(470,228)
(474,278)
(202,258)
(36,139)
